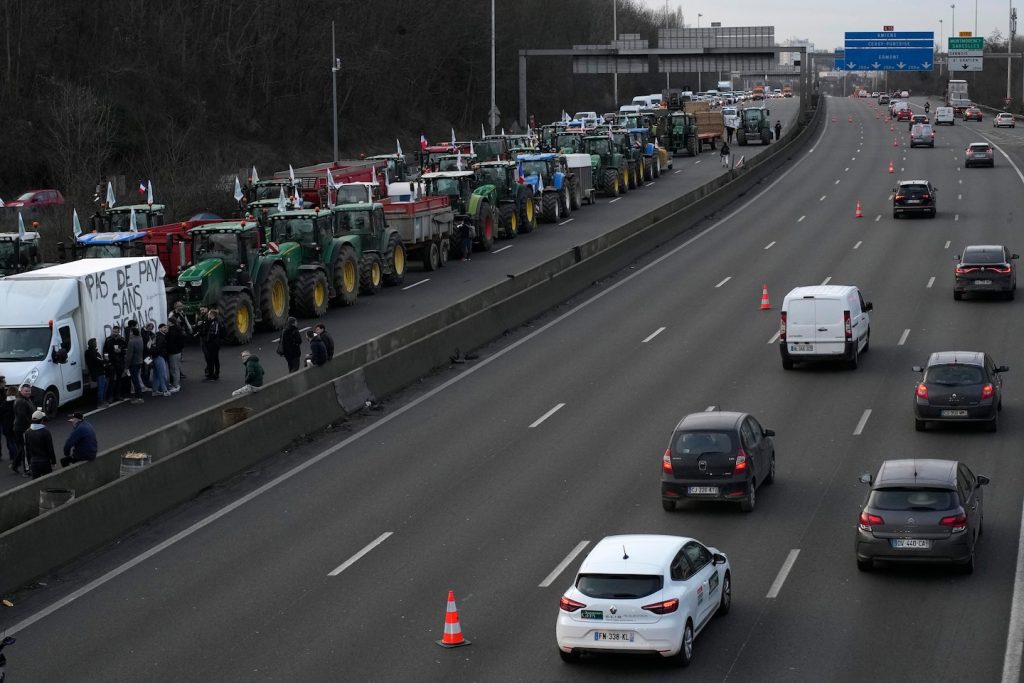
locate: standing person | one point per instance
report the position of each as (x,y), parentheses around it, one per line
(317,350)
(148,333)
(175,347)
(729,132)
(179,321)
(39,446)
(253,375)
(23,410)
(725,154)
(7,421)
(134,359)
(211,338)
(466,235)
(321,330)
(81,444)
(97,368)
(159,356)
(115,353)
(291,344)
(200,334)
(778,130)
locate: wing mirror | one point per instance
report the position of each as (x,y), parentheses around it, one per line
(868,306)
(866,478)
(982,480)
(917,368)
(1015,256)
(1003,368)
(719,558)
(768,432)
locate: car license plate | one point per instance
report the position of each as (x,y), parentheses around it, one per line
(954,413)
(981,155)
(592,614)
(913,201)
(982,282)
(703,490)
(801,347)
(920,544)
(615,636)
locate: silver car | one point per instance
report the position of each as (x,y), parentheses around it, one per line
(921,510)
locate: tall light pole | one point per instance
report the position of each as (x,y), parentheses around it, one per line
(615,36)
(700,61)
(952,27)
(667,84)
(494,107)
(939,53)
(1009,51)
(335,68)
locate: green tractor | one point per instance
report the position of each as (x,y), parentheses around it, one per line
(456,162)
(755,124)
(234,272)
(330,266)
(377,247)
(471,203)
(516,210)
(682,134)
(608,164)
(635,164)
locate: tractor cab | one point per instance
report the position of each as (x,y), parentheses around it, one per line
(110,245)
(456,162)
(543,171)
(456,185)
(500,174)
(271,189)
(569,141)
(310,229)
(491,148)
(396,168)
(17,253)
(119,218)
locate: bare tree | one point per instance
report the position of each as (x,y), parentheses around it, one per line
(79,137)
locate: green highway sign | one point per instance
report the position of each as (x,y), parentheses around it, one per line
(966,43)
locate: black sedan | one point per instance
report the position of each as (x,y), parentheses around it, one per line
(985,269)
(720,456)
(959,386)
(913,196)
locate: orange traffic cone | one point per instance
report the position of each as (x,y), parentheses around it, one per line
(849,119)
(765,304)
(452,630)
(858,213)
(892,169)
(833,119)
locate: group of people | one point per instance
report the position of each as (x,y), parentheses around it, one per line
(321,350)
(726,153)
(29,442)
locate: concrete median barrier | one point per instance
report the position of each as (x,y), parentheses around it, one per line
(198,451)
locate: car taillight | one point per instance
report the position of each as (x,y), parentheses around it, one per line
(899,197)
(926,196)
(665,607)
(958,522)
(782,326)
(847,325)
(567,605)
(1002,270)
(741,462)
(963,270)
(987,391)
(666,461)
(922,391)
(867,520)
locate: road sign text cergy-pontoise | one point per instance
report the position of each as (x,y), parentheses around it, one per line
(966,54)
(888,51)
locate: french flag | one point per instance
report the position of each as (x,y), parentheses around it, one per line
(519,172)
(423,141)
(142,187)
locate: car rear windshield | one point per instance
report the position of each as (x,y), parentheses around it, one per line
(979,146)
(982,256)
(912,499)
(954,375)
(704,441)
(618,586)
(914,190)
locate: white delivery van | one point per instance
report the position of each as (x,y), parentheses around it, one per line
(824,323)
(731,117)
(47,317)
(944,115)
(629,109)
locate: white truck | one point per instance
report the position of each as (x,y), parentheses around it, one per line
(47,317)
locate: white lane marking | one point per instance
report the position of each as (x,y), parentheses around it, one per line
(567,221)
(723,282)
(1015,634)
(507,246)
(846,169)
(780,579)
(947,245)
(109,405)
(615,200)
(890,198)
(931,281)
(652,335)
(546,415)
(826,281)
(427,279)
(710,409)
(550,578)
(678,172)
(903,338)
(649,184)
(837,181)
(878,218)
(960,181)
(956,217)
(853,158)
(863,421)
(800,220)
(857,246)
(696,162)
(959,196)
(387,419)
(775,337)
(769,245)
(355,558)
(902,169)
(904,158)
(822,197)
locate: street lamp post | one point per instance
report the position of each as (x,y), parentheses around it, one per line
(615,36)
(335,68)
(952,27)
(700,61)
(939,53)
(667,84)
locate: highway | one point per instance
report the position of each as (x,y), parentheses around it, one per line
(485,478)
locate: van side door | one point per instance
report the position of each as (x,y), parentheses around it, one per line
(65,345)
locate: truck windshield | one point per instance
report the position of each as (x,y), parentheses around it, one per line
(121,221)
(352,221)
(569,141)
(489,150)
(219,245)
(272,191)
(103,251)
(444,186)
(24,343)
(537,168)
(292,230)
(601,147)
(491,175)
(352,195)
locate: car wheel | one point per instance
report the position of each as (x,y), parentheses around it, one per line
(932,214)
(771,471)
(750,503)
(569,657)
(668,505)
(968,566)
(853,362)
(865,565)
(787,363)
(993,424)
(895,215)
(920,425)
(685,654)
(957,296)
(726,603)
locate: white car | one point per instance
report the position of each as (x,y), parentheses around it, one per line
(643,593)
(1004,119)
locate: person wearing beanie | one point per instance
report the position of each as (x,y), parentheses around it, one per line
(291,344)
(39,446)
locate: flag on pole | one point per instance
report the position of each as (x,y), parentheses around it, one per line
(255,177)
(238,190)
(76,225)
(2,205)
(739,163)
(331,187)
(21,226)
(503,131)
(291,174)
(110,196)
(453,137)
(282,203)
(471,152)
(134,224)
(458,162)
(423,141)
(399,144)
(149,192)
(519,172)
(483,133)
(142,187)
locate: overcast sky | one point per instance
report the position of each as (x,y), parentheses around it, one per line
(825,21)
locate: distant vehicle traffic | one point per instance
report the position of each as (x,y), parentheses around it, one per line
(1004,119)
(922,135)
(972,114)
(36,199)
(944,115)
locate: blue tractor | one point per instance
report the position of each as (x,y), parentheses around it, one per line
(553,181)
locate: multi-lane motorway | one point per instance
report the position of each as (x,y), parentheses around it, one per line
(474,481)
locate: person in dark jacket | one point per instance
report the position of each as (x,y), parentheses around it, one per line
(291,344)
(317,350)
(134,357)
(211,334)
(7,421)
(81,444)
(159,356)
(115,349)
(97,369)
(23,409)
(253,375)
(39,446)
(778,130)
(175,347)
(328,341)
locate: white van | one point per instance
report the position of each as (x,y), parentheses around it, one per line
(824,323)
(629,109)
(944,115)
(647,101)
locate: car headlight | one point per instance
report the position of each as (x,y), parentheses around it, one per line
(197,283)
(181,283)
(32,376)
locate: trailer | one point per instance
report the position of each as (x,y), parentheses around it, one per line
(581,165)
(426,226)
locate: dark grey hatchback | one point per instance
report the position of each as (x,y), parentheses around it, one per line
(985,269)
(921,510)
(959,386)
(721,456)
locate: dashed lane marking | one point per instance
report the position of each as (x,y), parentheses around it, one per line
(550,578)
(903,338)
(860,423)
(775,337)
(769,245)
(947,245)
(800,220)
(570,220)
(615,200)
(723,282)
(931,281)
(857,246)
(826,281)
(546,415)
(780,579)
(427,279)
(652,335)
(507,246)
(355,558)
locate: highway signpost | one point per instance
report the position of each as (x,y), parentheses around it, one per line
(888,51)
(965,54)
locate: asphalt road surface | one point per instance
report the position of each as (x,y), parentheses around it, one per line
(332,561)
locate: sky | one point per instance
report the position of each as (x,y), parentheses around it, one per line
(824,22)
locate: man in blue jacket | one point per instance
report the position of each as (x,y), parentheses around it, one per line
(81,444)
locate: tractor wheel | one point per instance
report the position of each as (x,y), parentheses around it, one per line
(611,182)
(766,137)
(565,204)
(642,171)
(691,146)
(549,207)
(527,211)
(431,257)
(274,303)
(237,313)
(370,273)
(345,276)
(576,194)
(657,166)
(624,183)
(396,261)
(509,219)
(742,139)
(444,251)
(309,294)
(485,227)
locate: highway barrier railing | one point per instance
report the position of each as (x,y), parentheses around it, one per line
(198,451)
